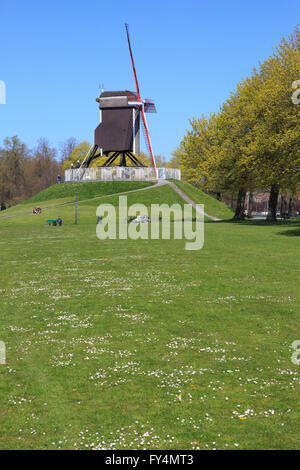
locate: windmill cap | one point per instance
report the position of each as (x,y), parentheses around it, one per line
(116,99)
(108,94)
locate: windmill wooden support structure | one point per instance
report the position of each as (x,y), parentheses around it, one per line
(122,115)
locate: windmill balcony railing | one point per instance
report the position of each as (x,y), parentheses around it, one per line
(121,174)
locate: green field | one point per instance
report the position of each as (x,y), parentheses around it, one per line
(141,344)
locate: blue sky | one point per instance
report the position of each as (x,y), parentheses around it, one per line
(188,55)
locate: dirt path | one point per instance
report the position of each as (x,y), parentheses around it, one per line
(190,201)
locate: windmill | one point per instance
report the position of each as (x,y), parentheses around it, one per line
(118,134)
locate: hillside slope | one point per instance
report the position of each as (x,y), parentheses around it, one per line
(59,200)
(86,190)
(211,205)
(86,208)
(65,193)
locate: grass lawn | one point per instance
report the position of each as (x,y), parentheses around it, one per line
(124,344)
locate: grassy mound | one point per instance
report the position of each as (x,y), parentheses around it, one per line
(86,190)
(65,207)
(65,194)
(211,205)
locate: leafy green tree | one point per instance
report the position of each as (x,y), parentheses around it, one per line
(253,141)
(276,138)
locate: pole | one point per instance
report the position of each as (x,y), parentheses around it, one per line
(76,207)
(132,62)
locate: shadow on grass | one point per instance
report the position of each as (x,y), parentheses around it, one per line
(291,233)
(294,223)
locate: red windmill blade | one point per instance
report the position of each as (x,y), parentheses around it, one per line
(147,104)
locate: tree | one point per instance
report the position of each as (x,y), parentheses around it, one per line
(77,155)
(276,140)
(45,166)
(66,148)
(253,141)
(235,160)
(12,159)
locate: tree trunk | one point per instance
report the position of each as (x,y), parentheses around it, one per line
(273,199)
(292,211)
(282,206)
(250,206)
(240,205)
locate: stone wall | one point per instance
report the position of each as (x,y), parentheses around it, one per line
(120,173)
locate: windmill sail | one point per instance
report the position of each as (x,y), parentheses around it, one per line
(149,147)
(149,106)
